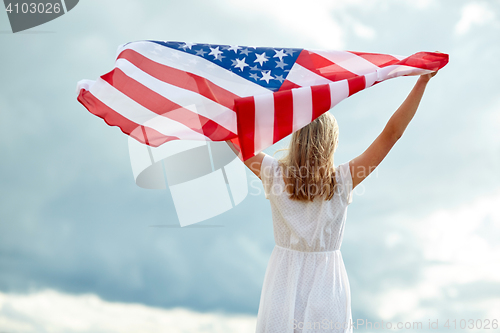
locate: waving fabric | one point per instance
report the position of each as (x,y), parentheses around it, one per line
(254,96)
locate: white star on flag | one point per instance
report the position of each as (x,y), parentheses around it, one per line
(280,64)
(241,64)
(215,52)
(261,58)
(188,45)
(234,48)
(280,78)
(280,54)
(200,53)
(266,76)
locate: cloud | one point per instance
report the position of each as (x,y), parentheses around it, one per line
(421,4)
(475,13)
(364,31)
(458,250)
(305,20)
(321,23)
(53,311)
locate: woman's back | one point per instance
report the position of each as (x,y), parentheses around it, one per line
(306,281)
(307,225)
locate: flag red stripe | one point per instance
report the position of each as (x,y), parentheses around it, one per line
(321,99)
(323,67)
(112,118)
(426,60)
(287,85)
(380,60)
(245,109)
(283,114)
(180,78)
(163,106)
(356,84)
(216,132)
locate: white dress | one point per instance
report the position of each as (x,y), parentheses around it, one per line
(305,285)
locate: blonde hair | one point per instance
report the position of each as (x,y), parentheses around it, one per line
(308,169)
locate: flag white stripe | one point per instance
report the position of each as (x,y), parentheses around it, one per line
(302,107)
(399,57)
(186,98)
(196,65)
(264,121)
(370,79)
(349,61)
(138,114)
(399,70)
(338,91)
(303,77)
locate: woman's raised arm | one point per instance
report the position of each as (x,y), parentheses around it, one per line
(365,163)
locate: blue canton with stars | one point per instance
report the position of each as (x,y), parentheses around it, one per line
(265,66)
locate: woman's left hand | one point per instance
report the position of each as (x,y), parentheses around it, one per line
(427,77)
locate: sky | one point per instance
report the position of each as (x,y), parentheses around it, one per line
(81,245)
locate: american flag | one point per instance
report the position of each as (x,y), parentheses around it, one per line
(254,96)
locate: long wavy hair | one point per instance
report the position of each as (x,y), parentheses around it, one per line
(308,169)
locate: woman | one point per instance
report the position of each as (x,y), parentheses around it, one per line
(305,286)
